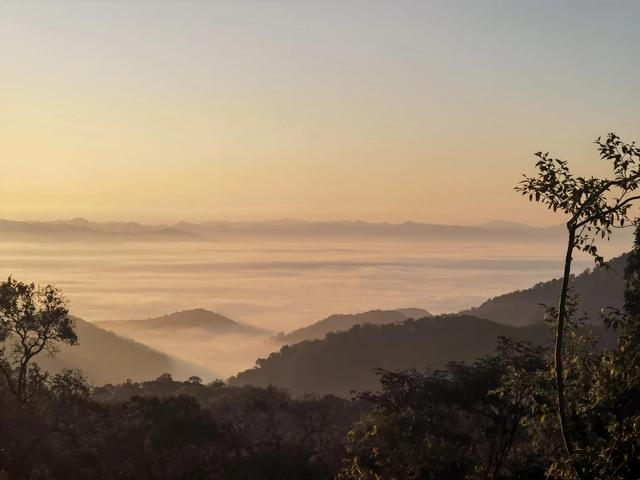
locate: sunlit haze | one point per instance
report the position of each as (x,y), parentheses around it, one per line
(381,111)
(319,239)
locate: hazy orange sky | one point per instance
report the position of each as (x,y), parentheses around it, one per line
(383,111)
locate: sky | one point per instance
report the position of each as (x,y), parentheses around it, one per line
(382,111)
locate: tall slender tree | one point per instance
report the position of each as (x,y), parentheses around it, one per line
(593,207)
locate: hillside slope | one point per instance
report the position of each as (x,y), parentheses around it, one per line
(108,358)
(345,361)
(201,337)
(343,322)
(596,289)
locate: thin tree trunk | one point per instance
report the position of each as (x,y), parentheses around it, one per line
(562,317)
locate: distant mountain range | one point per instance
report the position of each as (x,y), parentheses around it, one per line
(357,229)
(82,229)
(108,358)
(199,318)
(342,322)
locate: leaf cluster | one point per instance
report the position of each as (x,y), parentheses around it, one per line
(593,206)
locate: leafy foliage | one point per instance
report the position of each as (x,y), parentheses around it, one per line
(602,391)
(32,320)
(594,206)
(450,423)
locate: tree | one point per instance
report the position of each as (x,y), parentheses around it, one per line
(33,319)
(602,389)
(594,207)
(460,422)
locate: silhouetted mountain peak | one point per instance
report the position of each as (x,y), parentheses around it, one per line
(196,318)
(414,313)
(77,221)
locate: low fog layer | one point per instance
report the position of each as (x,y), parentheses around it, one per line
(277,284)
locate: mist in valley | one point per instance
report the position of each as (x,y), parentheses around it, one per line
(298,240)
(277,282)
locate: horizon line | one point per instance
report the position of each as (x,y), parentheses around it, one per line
(276,220)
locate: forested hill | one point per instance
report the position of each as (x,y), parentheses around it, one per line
(343,322)
(345,361)
(597,288)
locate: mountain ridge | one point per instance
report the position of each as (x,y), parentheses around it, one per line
(197,318)
(82,229)
(344,362)
(596,288)
(342,322)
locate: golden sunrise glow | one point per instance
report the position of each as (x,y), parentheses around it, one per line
(168,113)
